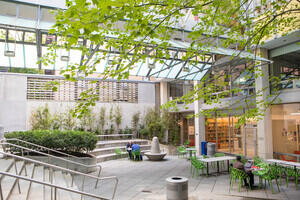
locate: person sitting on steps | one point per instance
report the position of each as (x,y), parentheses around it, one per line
(135,147)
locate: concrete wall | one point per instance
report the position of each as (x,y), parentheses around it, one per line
(16,110)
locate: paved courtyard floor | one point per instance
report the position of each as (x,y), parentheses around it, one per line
(145,180)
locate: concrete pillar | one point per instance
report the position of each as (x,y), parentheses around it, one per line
(199,124)
(164,99)
(264,126)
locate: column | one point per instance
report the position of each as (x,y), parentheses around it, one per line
(264,126)
(164,99)
(199,124)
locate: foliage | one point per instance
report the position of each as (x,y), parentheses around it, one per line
(41,118)
(127,130)
(135,123)
(69,122)
(111,118)
(154,123)
(68,141)
(102,119)
(87,120)
(147,27)
(118,117)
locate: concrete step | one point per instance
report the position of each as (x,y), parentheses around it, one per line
(24,185)
(110,150)
(60,181)
(36,191)
(119,143)
(9,183)
(111,156)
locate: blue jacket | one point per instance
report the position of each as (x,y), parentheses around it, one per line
(135,147)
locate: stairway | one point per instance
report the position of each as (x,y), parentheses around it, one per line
(105,150)
(13,189)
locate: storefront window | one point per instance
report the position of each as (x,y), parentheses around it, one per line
(230,138)
(285,128)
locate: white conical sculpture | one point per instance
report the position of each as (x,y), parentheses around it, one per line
(155,145)
(155,153)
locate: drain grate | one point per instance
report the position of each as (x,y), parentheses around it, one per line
(147,191)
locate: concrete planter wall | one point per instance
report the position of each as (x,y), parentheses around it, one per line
(83,160)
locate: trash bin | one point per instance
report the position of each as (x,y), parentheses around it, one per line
(211,149)
(203,148)
(177,188)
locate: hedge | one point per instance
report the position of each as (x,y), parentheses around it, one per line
(67,141)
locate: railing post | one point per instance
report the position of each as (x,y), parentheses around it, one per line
(100,168)
(1,194)
(82,187)
(16,169)
(55,191)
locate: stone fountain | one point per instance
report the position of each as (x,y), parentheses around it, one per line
(155,154)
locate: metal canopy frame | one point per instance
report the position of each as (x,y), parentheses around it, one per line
(172,68)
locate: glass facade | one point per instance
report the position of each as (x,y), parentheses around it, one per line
(286,129)
(230,138)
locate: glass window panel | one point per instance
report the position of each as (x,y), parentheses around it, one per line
(2,34)
(47,15)
(28,12)
(286,129)
(30,37)
(18,60)
(31,56)
(7,8)
(15,35)
(4,59)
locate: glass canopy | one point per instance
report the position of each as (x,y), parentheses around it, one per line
(20,35)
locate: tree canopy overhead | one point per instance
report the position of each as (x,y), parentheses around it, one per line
(136,30)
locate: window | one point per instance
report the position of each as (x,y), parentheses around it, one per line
(47,15)
(28,12)
(7,8)
(30,37)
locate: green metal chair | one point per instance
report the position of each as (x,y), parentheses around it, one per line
(236,174)
(270,176)
(197,165)
(181,151)
(118,153)
(136,155)
(220,155)
(292,172)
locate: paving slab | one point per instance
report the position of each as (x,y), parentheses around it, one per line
(146,180)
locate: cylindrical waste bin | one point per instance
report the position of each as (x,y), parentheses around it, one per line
(177,188)
(211,149)
(203,148)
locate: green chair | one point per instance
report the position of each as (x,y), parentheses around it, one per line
(292,172)
(136,155)
(257,160)
(118,153)
(236,174)
(270,176)
(197,165)
(181,151)
(220,155)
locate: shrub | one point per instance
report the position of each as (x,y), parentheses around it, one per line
(67,141)
(41,118)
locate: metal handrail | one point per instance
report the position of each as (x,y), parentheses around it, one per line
(36,145)
(64,169)
(4,141)
(48,184)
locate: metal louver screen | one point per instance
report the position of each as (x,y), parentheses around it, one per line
(107,91)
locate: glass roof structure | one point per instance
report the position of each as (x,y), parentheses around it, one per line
(26,35)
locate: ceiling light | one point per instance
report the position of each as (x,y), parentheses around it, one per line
(64,58)
(151,65)
(9,53)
